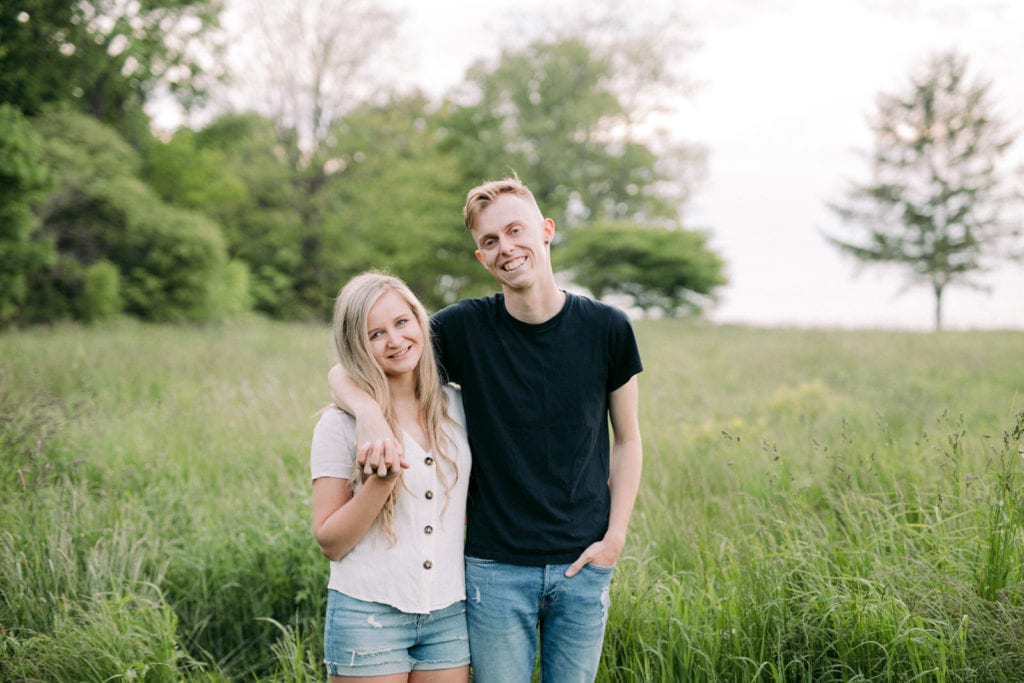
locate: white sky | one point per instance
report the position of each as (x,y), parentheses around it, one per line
(788,86)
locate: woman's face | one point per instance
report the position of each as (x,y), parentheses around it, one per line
(395,336)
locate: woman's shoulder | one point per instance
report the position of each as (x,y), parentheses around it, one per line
(455,409)
(454,392)
(335,423)
(332,413)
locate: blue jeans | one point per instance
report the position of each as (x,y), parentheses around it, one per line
(506,605)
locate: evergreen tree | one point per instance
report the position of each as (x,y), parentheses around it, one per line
(938,205)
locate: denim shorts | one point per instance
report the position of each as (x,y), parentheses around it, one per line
(372,639)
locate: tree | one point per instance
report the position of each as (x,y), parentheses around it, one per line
(395,203)
(311,62)
(547,111)
(228,172)
(938,204)
(308,63)
(200,179)
(576,105)
(668,269)
(34,62)
(106,57)
(265,229)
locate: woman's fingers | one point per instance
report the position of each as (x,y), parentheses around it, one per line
(371,459)
(383,457)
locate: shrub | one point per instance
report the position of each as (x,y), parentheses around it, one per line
(101,292)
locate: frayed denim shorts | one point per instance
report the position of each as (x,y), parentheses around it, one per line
(372,639)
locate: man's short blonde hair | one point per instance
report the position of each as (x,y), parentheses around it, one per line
(481,196)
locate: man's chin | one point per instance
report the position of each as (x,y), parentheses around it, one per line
(515,279)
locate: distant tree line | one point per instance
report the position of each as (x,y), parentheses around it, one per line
(273,211)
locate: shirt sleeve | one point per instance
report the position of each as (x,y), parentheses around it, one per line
(624,354)
(440,329)
(332,453)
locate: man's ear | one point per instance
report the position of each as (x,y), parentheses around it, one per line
(549,230)
(479,256)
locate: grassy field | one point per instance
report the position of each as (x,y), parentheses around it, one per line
(817,506)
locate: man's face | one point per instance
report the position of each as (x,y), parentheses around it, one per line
(512,240)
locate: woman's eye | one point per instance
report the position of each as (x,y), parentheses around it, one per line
(374,335)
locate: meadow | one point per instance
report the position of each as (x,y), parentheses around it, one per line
(817,506)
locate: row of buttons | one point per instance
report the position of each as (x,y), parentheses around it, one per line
(429,495)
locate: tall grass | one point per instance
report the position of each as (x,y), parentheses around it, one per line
(817,506)
(824,506)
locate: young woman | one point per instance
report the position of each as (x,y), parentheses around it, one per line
(393,531)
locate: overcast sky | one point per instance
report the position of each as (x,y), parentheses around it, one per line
(788,85)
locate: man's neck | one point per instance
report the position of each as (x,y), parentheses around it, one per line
(534,305)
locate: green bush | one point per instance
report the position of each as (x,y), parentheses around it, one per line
(101,292)
(23,176)
(673,270)
(120,247)
(232,295)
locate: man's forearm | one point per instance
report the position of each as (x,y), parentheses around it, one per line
(347,395)
(624,483)
(626,459)
(378,444)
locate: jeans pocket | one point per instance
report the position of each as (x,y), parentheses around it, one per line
(598,568)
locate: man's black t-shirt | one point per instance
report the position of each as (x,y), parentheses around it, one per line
(536,400)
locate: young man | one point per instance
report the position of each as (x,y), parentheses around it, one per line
(541,372)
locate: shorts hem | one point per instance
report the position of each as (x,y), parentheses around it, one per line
(438,666)
(339,669)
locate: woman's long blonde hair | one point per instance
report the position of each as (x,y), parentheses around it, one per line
(351,342)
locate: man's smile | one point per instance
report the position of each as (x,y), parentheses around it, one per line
(514,264)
